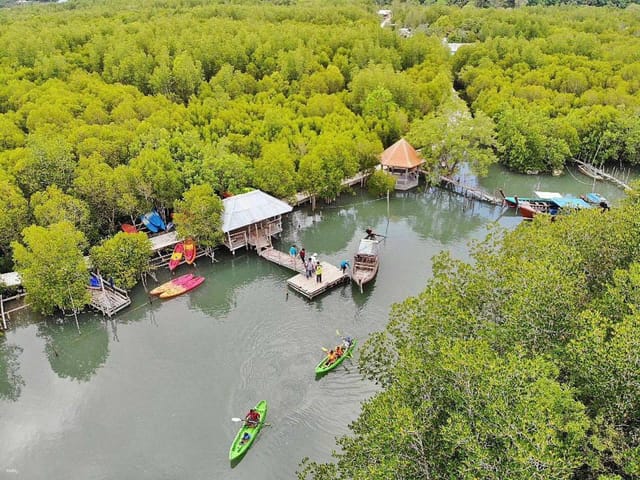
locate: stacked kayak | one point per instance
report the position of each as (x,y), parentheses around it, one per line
(153,221)
(182,287)
(176,256)
(246,435)
(189,251)
(176,281)
(325,366)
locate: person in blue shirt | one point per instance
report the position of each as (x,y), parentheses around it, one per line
(344,265)
(293,251)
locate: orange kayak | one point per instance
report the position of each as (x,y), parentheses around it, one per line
(176,257)
(189,251)
(176,290)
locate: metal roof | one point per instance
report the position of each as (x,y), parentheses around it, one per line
(249,208)
(11,279)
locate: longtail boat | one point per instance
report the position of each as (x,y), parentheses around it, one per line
(365,262)
(240,446)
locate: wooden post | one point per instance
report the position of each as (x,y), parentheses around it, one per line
(75,314)
(4,321)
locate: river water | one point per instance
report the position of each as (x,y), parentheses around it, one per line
(150,394)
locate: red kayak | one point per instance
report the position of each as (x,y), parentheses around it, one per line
(176,257)
(167,285)
(189,251)
(176,290)
(128,228)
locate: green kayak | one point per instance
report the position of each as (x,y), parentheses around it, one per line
(239,447)
(322,367)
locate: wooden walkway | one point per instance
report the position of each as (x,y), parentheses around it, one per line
(470,192)
(331,275)
(282,259)
(359,178)
(593,172)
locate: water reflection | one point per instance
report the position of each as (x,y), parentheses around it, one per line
(11,382)
(72,353)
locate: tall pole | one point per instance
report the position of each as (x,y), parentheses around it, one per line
(4,320)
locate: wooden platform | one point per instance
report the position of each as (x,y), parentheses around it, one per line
(108,300)
(331,277)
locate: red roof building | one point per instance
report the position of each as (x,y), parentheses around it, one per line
(403,162)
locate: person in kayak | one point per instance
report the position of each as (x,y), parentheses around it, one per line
(252,419)
(245,438)
(339,351)
(331,357)
(347,341)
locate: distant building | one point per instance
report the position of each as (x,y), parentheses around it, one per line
(453,47)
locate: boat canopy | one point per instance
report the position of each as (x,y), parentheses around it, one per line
(548,195)
(368,247)
(571,202)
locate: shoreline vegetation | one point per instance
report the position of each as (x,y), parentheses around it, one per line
(523,365)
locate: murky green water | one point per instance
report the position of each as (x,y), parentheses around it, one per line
(150,394)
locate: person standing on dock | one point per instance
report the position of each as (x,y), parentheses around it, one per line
(319,273)
(344,265)
(293,252)
(303,254)
(309,268)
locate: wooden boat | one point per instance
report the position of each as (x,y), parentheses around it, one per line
(175,290)
(324,367)
(167,285)
(176,256)
(189,251)
(365,262)
(238,447)
(594,198)
(590,171)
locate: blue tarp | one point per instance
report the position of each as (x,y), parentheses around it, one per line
(571,202)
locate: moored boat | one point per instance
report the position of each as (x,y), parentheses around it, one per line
(239,446)
(366,261)
(171,283)
(175,290)
(189,251)
(128,228)
(324,366)
(176,256)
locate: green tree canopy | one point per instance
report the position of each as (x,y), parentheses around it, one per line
(199,215)
(123,257)
(53,270)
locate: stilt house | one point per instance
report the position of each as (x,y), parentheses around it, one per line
(252,219)
(403,162)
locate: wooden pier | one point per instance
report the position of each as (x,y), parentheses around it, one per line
(107,299)
(331,275)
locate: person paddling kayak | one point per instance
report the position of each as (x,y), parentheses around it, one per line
(253,418)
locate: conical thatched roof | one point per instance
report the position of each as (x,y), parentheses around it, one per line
(401,155)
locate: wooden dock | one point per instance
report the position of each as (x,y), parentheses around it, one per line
(107,299)
(331,275)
